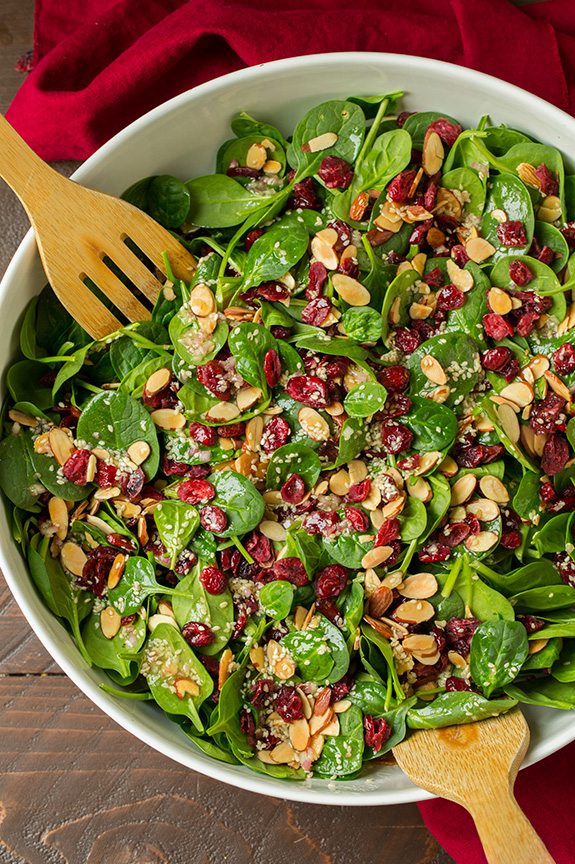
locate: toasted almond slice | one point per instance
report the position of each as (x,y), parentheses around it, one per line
(350,290)
(265,756)
(558,386)
(42,444)
(448,467)
(272,166)
(224,667)
(419,311)
(166,608)
(61,444)
(420,490)
(157,381)
(371,582)
(419,586)
(539,365)
(479,249)
(110,622)
(456,659)
(499,215)
(306,704)
(168,419)
(332,728)
(414,611)
(319,721)
(23,419)
(322,702)
(202,301)
(256,157)
(336,409)
(392,508)
(223,412)
(422,643)
(427,659)
(116,570)
(376,556)
(273,530)
(499,301)
(527,173)
(380,601)
(107,493)
(299,734)
(349,252)
(320,142)
(483,509)
(73,558)
(284,668)
(463,489)
(186,687)
(481,542)
(433,153)
(58,516)
(247,397)
(483,424)
(393,580)
(325,253)
(373,500)
(462,279)
(440,394)
(493,488)
(426,463)
(357,471)
(313,424)
(160,618)
(539,442)
(447,204)
(537,645)
(139,452)
(433,370)
(509,422)
(257,658)
(550,209)
(518,392)
(254,432)
(381,627)
(340,482)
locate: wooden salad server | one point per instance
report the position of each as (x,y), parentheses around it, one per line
(475,765)
(77,228)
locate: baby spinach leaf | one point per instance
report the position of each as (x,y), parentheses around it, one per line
(240,500)
(545,281)
(23,381)
(190,342)
(543,598)
(418,123)
(293,459)
(138,582)
(433,424)
(526,501)
(191,602)
(439,504)
(545,658)
(369,695)
(547,691)
(168,200)
(176,522)
(413,519)
(342,754)
(333,346)
(306,547)
(344,119)
(365,399)
(276,251)
(362,324)
(347,550)
(351,440)
(469,317)
(48,473)
(218,201)
(458,355)
(498,650)
(384,649)
(244,124)
(507,193)
(390,154)
(113,653)
(249,344)
(236,150)
(319,651)
(451,709)
(276,599)
(17,472)
(549,235)
(564,668)
(402,288)
(469,182)
(126,352)
(38,551)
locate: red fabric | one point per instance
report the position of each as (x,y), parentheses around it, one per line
(99,64)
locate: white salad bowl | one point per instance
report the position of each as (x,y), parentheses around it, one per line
(181,137)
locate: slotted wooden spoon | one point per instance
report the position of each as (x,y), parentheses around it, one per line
(76,228)
(476,765)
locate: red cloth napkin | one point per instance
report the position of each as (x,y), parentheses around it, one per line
(99,64)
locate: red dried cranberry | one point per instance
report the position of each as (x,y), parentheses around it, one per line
(569,233)
(328,608)
(196,491)
(448,132)
(341,688)
(555,454)
(308,389)
(321,522)
(376,731)
(520,273)
(213,580)
(459,255)
(547,256)
(423,328)
(456,533)
(547,493)
(316,311)
(316,280)
(293,490)
(251,238)
(450,297)
(496,358)
(212,376)
(358,519)
(564,359)
(121,542)
(272,291)
(96,569)
(526,323)
(430,196)
(260,548)
(397,405)
(280,332)
(349,267)
(272,367)
(198,635)
(388,532)
(232,430)
(185,562)
(400,187)
(395,437)
(531,623)
(330,581)
(453,684)
(406,340)
(288,704)
(261,692)
(276,434)
(75,467)
(133,483)
(290,570)
(434,278)
(403,117)
(434,552)
(106,475)
(205,435)
(213,518)
(237,170)
(343,232)
(511,370)
(304,196)
(458,629)
(496,327)
(359,491)
(418,234)
(395,379)
(548,180)
(512,233)
(511,539)
(565,567)
(547,413)
(335,172)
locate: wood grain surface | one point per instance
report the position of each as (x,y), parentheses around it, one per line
(76,788)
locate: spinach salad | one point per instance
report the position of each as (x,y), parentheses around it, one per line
(326,493)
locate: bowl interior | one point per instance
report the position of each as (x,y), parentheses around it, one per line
(181,137)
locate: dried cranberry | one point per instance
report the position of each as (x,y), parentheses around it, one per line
(308,389)
(359,491)
(280,332)
(261,692)
(459,255)
(565,567)
(388,532)
(448,131)
(511,370)
(453,684)
(424,328)
(106,475)
(430,196)
(213,518)
(406,340)
(403,117)
(496,326)
(434,278)
(569,233)
(547,256)
(260,548)
(434,552)
(316,280)
(330,581)
(293,490)
(251,238)
(75,468)
(232,430)
(400,187)
(358,519)
(288,704)
(304,196)
(526,323)
(290,570)
(397,405)
(520,273)
(547,413)
(121,542)
(496,358)
(341,688)
(395,379)
(276,434)
(95,571)
(456,533)
(133,483)
(328,608)
(196,491)
(185,561)
(349,267)
(272,291)
(395,437)
(564,359)
(460,629)
(418,234)
(376,731)
(237,170)
(205,435)
(547,493)
(321,522)
(335,172)
(213,580)
(512,233)
(198,635)
(212,376)
(450,297)
(272,367)
(548,180)
(531,623)
(555,454)
(511,539)
(316,311)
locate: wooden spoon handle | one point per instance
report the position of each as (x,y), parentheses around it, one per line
(505,831)
(28,175)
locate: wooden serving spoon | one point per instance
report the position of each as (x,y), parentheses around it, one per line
(80,231)
(475,765)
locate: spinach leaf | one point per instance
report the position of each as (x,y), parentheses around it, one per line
(240,500)
(276,251)
(276,599)
(191,602)
(219,201)
(113,653)
(543,598)
(507,193)
(549,235)
(383,648)
(306,547)
(249,343)
(291,459)
(319,651)
(418,123)
(138,582)
(545,282)
(369,695)
(547,691)
(244,124)
(413,519)
(347,550)
(365,399)
(168,200)
(17,472)
(564,669)
(458,355)
(344,119)
(362,324)
(433,424)
(451,709)
(498,650)
(352,440)
(342,754)
(176,522)
(402,289)
(468,181)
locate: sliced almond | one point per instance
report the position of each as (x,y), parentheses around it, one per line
(537,645)
(509,422)
(73,558)
(376,556)
(433,370)
(558,386)
(157,619)
(420,490)
(528,175)
(481,542)
(447,204)
(419,311)
(340,483)
(254,432)
(380,601)
(380,626)
(319,721)
(202,300)
(186,687)
(256,157)
(448,467)
(463,489)
(483,509)
(440,394)
(419,586)
(499,215)
(357,471)
(456,659)
(272,166)
(224,667)
(422,643)
(58,516)
(539,365)
(273,530)
(459,277)
(110,622)
(373,499)
(414,611)
(306,704)
(61,444)
(519,392)
(499,301)
(479,250)
(350,290)
(139,452)
(320,142)
(257,658)
(493,488)
(313,424)
(299,734)
(23,419)
(266,757)
(550,209)
(116,570)
(107,493)
(247,397)
(42,444)
(168,419)
(325,253)
(166,608)
(433,153)
(223,412)
(332,727)
(158,381)
(392,508)
(483,424)
(427,659)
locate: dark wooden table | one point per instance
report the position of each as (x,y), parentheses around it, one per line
(75,787)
